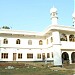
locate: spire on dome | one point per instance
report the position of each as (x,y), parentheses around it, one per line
(53,9)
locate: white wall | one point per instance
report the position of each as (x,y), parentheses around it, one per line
(24,52)
(24,43)
(67,45)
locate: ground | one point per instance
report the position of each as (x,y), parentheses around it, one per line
(35,68)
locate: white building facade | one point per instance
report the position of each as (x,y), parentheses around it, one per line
(56,44)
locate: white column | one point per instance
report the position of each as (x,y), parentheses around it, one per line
(70,58)
(56,48)
(56,37)
(68,38)
(54,21)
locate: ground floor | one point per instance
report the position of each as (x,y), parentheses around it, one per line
(36,55)
(26,55)
(68,56)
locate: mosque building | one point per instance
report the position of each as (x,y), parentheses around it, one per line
(56,44)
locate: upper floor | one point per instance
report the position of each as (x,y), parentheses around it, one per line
(53,34)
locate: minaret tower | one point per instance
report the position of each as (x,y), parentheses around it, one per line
(73,15)
(53,13)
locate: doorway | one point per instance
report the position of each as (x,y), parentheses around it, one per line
(73,57)
(65,57)
(14,56)
(43,56)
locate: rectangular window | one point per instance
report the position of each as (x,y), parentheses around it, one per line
(4,55)
(52,55)
(29,55)
(48,55)
(29,42)
(47,41)
(19,55)
(38,56)
(5,41)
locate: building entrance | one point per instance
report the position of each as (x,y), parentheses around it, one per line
(65,57)
(73,57)
(43,56)
(14,56)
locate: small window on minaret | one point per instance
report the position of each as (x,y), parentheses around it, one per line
(74,18)
(54,14)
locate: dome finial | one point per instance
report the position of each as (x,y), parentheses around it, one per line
(53,9)
(53,6)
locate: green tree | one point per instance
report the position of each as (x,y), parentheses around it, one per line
(5,27)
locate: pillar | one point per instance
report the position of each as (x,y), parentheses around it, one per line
(56,48)
(68,38)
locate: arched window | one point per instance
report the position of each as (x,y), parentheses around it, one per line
(51,39)
(18,41)
(29,42)
(63,37)
(40,42)
(47,41)
(5,41)
(71,38)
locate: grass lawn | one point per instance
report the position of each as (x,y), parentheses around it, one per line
(32,70)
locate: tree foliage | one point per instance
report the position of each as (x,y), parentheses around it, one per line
(5,27)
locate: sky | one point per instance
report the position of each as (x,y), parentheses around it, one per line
(34,15)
